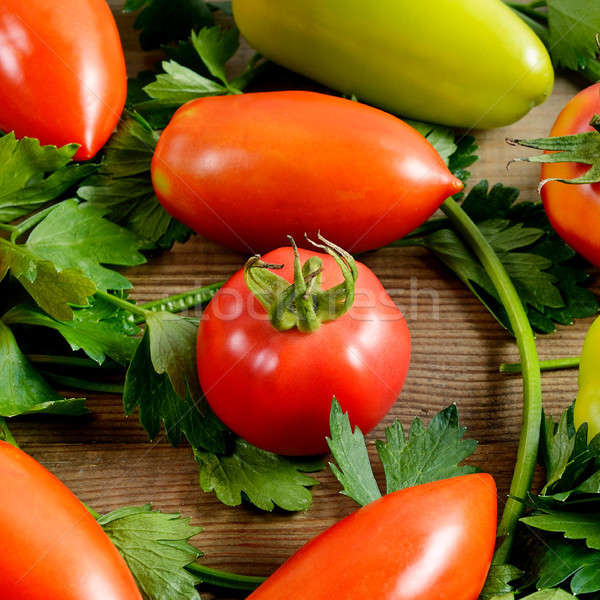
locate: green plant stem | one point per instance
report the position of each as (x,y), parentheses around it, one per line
(184,301)
(121,303)
(532,380)
(30,223)
(223,579)
(6,435)
(84,384)
(555,364)
(70,361)
(5,227)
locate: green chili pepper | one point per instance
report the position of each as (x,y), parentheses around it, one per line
(587,405)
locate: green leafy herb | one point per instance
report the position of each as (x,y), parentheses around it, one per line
(22,389)
(353,469)
(75,236)
(429,454)
(499,581)
(568,28)
(545,271)
(53,290)
(163,21)
(99,331)
(265,479)
(158,403)
(156,549)
(123,187)
(32,175)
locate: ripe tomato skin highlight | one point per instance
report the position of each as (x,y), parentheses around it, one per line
(574,210)
(430,542)
(275,388)
(248,170)
(52,547)
(62,72)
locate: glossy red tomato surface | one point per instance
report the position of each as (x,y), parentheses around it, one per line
(247,170)
(430,542)
(574,210)
(275,388)
(52,548)
(62,72)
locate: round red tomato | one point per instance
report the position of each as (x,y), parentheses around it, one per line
(62,72)
(574,210)
(52,547)
(430,542)
(275,388)
(248,170)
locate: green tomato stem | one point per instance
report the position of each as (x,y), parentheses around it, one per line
(223,579)
(555,364)
(84,384)
(30,223)
(6,435)
(532,380)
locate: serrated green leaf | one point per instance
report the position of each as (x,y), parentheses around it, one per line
(498,581)
(429,454)
(574,526)
(23,391)
(551,594)
(265,479)
(94,330)
(77,236)
(353,469)
(54,291)
(156,549)
(557,449)
(216,46)
(178,85)
(573,26)
(159,404)
(123,188)
(32,175)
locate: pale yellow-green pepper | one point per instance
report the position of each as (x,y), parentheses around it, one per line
(465,63)
(587,405)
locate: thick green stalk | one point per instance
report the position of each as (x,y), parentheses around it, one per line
(223,579)
(532,380)
(83,384)
(555,364)
(6,435)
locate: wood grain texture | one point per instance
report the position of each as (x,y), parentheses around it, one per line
(108,462)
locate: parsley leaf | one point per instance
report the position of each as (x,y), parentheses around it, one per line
(158,403)
(573,26)
(77,236)
(498,581)
(99,331)
(428,454)
(123,187)
(264,478)
(156,549)
(32,175)
(53,290)
(23,390)
(546,272)
(573,525)
(353,469)
(163,21)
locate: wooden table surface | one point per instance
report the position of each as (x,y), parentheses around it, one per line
(107,460)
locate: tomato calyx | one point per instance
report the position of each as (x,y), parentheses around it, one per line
(579,148)
(303,304)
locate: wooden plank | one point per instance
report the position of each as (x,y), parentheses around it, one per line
(457,347)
